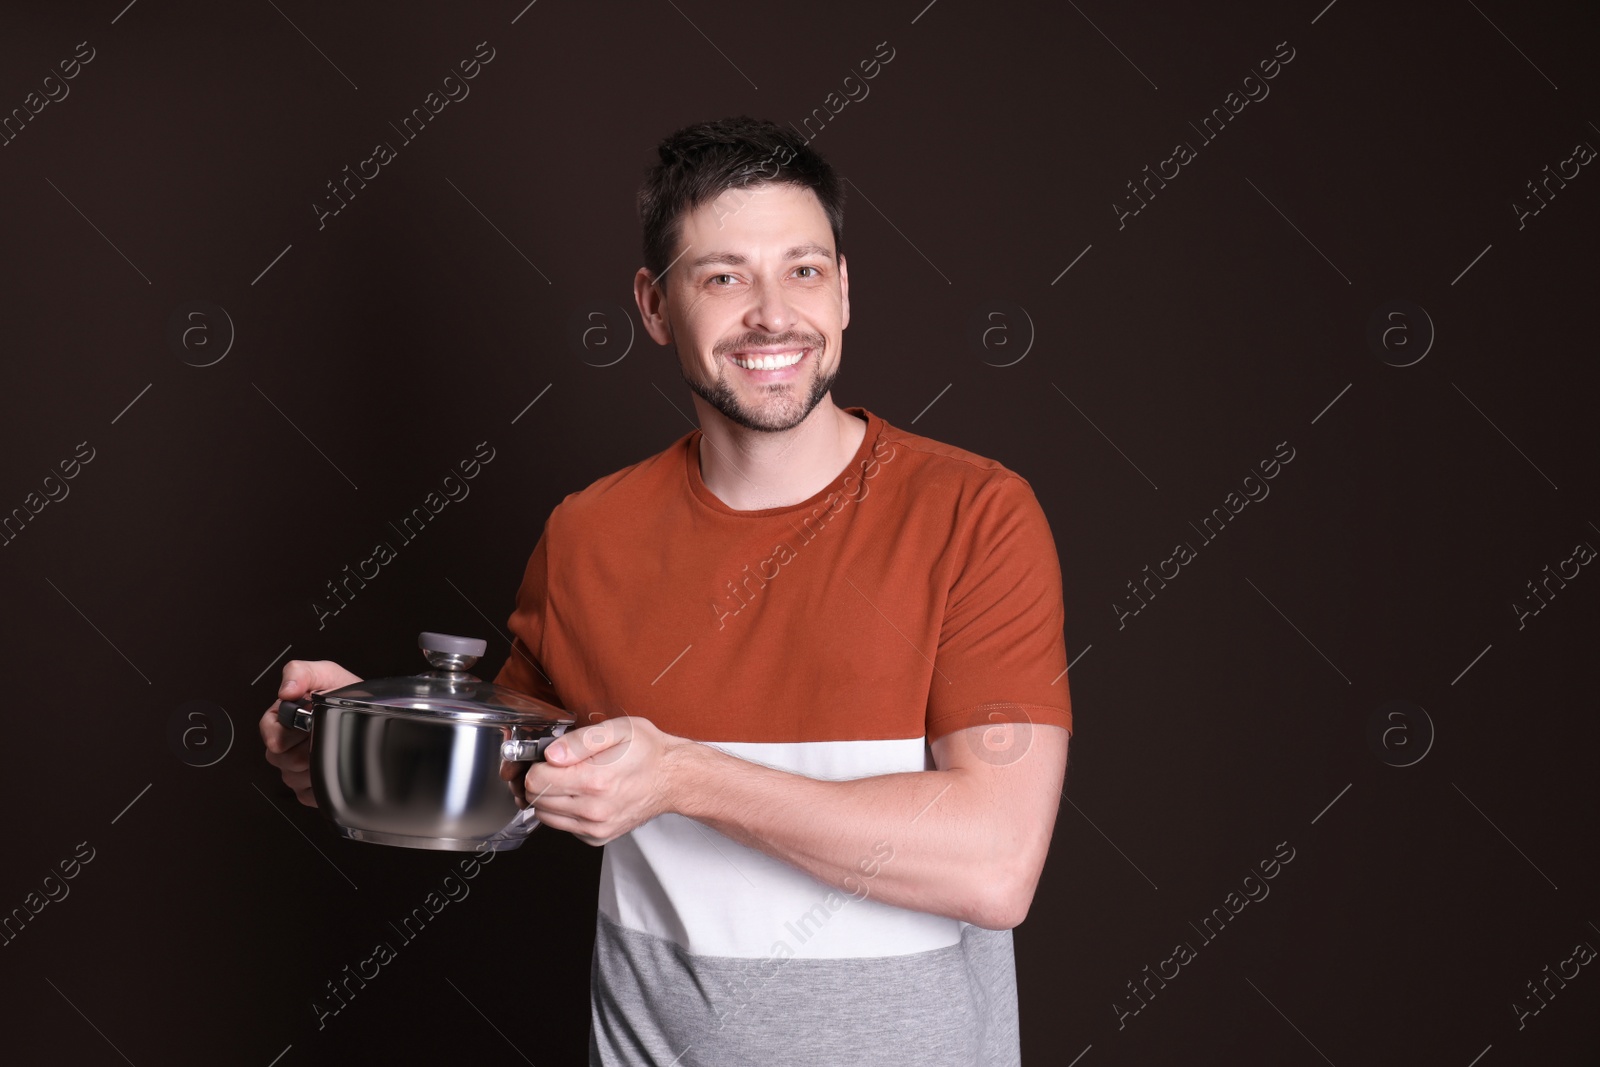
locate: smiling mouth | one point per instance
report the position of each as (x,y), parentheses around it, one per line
(769,362)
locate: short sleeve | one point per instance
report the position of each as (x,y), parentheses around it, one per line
(1002,653)
(523,670)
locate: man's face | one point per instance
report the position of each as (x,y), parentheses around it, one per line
(757,302)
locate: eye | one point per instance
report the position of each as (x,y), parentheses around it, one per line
(815,273)
(718,279)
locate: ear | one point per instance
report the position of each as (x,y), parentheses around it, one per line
(844,293)
(652,306)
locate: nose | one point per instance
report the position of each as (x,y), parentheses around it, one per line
(769,310)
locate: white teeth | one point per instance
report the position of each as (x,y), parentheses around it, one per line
(769,362)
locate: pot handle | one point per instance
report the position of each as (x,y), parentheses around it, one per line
(529,751)
(295,714)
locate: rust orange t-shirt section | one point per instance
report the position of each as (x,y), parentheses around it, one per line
(916,595)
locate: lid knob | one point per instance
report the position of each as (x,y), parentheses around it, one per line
(447,652)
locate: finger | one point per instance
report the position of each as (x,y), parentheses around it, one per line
(278,737)
(296,759)
(578,828)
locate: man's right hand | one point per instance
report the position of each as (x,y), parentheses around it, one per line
(287,749)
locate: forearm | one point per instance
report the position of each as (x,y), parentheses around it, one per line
(940,841)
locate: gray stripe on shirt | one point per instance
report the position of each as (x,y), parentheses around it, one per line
(655,1005)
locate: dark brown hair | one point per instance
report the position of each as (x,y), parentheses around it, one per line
(699,163)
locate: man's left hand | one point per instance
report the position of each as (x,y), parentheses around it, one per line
(601,781)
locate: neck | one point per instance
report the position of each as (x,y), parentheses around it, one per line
(750,470)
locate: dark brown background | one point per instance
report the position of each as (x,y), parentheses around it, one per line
(1230,715)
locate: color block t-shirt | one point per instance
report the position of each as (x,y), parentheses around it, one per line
(917,594)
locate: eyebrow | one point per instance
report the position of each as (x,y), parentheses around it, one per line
(736,259)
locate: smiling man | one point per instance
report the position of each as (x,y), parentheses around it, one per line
(817,664)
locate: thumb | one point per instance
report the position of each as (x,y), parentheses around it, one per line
(610,735)
(301,677)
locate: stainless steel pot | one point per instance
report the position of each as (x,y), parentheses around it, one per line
(416,761)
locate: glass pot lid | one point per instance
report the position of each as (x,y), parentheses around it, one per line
(448,691)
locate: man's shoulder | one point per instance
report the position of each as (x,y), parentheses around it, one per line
(632,487)
(938,462)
